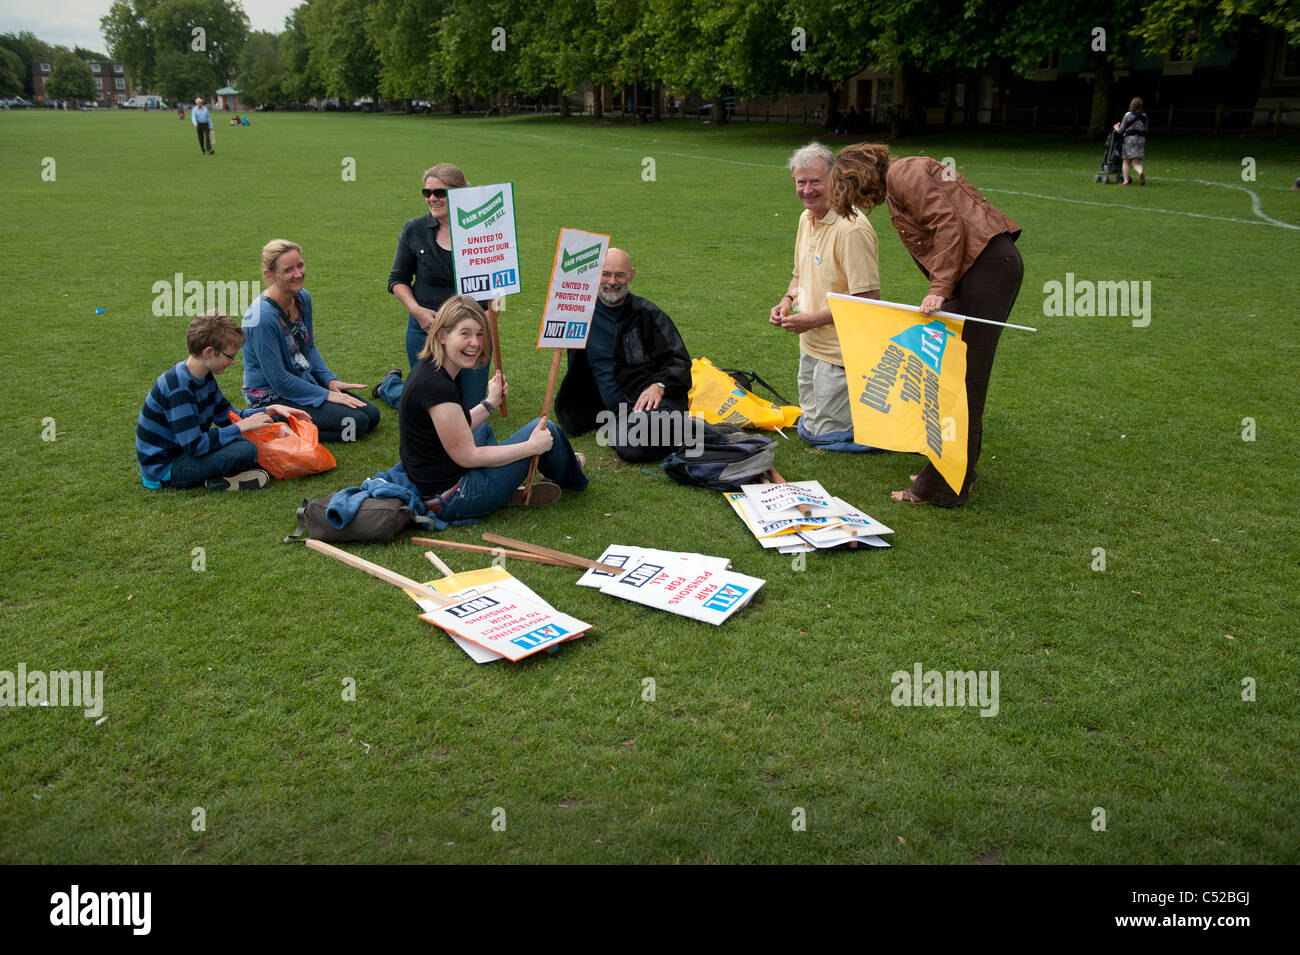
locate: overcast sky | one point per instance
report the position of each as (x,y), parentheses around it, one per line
(74,23)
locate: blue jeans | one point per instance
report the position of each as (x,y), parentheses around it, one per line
(482,490)
(330,418)
(238,455)
(473,381)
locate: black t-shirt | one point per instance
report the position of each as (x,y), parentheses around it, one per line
(427,462)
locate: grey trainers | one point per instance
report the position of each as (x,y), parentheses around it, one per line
(253,479)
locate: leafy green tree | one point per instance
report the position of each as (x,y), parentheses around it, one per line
(183,76)
(211,29)
(29,49)
(402,33)
(259,71)
(70,78)
(11,73)
(340,51)
(145,33)
(1192,26)
(129,32)
(477,45)
(300,81)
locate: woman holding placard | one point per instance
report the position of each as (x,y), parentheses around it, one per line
(447,448)
(964,246)
(424,276)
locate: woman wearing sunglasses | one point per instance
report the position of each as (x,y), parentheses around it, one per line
(423,277)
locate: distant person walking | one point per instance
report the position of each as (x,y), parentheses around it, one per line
(1133,130)
(202,121)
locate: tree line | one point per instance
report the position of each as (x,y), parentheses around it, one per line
(544,51)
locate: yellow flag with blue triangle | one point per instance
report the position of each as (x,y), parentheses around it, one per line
(907,380)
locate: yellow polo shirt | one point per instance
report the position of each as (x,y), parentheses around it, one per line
(832,255)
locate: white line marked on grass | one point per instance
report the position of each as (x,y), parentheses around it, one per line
(1125,205)
(1255,205)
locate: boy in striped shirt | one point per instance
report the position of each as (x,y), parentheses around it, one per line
(184,436)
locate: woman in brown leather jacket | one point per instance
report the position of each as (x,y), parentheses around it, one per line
(964,246)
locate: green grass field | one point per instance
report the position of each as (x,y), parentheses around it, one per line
(1120,690)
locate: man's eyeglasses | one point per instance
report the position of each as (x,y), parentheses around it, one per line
(434,193)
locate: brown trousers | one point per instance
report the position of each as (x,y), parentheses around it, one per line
(987,290)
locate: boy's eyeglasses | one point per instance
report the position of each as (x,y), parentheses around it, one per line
(434,193)
(225,355)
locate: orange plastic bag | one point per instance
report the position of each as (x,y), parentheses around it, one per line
(290,449)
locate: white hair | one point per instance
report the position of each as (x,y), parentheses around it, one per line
(807,156)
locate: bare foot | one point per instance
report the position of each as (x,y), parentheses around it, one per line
(908,496)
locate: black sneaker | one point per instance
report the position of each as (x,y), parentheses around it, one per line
(253,479)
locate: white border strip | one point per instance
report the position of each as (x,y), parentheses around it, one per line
(916,308)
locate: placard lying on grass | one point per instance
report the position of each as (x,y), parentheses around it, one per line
(773,514)
(691,585)
(622,555)
(484,648)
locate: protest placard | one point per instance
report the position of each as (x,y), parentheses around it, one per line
(620,555)
(507,623)
(472,583)
(484,248)
(688,587)
(575,283)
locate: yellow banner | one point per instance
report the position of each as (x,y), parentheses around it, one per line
(907,381)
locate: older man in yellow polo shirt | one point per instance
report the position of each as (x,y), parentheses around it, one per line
(831,254)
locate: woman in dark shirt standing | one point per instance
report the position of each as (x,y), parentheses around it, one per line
(424,276)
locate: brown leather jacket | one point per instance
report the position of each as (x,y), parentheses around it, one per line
(943,220)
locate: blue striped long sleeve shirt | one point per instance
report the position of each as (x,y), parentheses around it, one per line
(178,418)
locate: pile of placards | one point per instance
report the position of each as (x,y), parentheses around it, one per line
(692,585)
(497,616)
(799,516)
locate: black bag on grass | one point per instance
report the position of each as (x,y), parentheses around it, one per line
(378,521)
(730,457)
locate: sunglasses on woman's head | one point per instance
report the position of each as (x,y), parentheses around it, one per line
(435,193)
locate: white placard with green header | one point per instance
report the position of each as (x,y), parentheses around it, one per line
(575,283)
(483,243)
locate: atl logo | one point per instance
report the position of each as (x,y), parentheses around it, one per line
(725,598)
(535,638)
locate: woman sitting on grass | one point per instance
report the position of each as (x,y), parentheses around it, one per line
(281,361)
(450,452)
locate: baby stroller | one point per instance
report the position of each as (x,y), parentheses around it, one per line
(1112,161)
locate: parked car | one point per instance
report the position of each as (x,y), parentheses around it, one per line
(17,102)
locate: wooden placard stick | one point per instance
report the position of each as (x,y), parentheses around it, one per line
(493,551)
(494,336)
(570,306)
(383,573)
(574,559)
(437,562)
(803,509)
(546,411)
